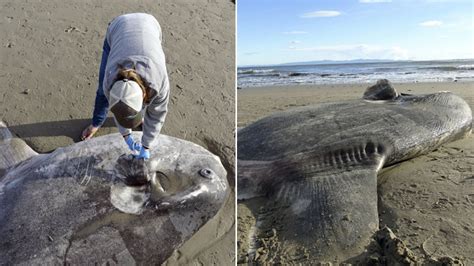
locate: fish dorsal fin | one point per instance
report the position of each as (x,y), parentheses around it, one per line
(382,90)
(13,150)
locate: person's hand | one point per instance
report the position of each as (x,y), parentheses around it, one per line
(88,132)
(144,153)
(132,144)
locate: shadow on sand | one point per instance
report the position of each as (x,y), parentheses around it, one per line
(68,128)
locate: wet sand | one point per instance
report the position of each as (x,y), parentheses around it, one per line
(428,201)
(49,58)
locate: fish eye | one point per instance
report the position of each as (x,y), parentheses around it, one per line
(206,172)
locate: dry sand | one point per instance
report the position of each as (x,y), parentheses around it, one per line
(49,59)
(427,201)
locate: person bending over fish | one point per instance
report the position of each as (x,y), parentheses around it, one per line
(133,81)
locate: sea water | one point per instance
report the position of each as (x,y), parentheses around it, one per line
(356,72)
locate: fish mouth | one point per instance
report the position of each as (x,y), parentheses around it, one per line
(162,190)
(136,186)
(133,199)
(167,184)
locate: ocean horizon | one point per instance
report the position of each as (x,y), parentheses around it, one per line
(355,71)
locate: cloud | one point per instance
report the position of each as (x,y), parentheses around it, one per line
(321,13)
(295,32)
(354,51)
(295,42)
(251,53)
(431,23)
(374,1)
(448,1)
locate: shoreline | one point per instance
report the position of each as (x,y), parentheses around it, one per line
(351,84)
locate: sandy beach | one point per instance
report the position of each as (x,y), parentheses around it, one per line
(427,201)
(49,58)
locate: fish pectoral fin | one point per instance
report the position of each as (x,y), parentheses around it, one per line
(324,203)
(328,213)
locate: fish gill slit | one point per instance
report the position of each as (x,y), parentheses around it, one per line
(363,153)
(338,158)
(357,154)
(347,156)
(342,157)
(351,155)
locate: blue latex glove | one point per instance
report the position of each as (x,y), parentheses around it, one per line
(144,154)
(132,144)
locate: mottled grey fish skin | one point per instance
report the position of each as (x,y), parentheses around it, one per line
(382,90)
(56,208)
(317,165)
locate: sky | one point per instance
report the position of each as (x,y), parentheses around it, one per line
(284,31)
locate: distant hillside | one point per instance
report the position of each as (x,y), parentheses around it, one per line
(356,61)
(326,62)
